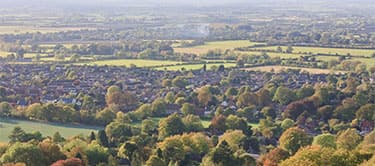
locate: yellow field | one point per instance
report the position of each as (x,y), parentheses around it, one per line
(271,54)
(195,66)
(315,50)
(283,68)
(368,62)
(222,45)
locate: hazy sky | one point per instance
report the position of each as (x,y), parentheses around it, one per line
(109,3)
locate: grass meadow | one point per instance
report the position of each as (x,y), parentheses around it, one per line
(47,129)
(222,45)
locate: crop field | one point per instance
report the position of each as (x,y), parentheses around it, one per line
(32,29)
(3,54)
(271,54)
(368,62)
(282,68)
(195,66)
(47,129)
(316,50)
(128,62)
(326,58)
(222,45)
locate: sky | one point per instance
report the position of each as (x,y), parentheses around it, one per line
(117,3)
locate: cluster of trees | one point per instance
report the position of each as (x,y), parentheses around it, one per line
(89,113)
(290,126)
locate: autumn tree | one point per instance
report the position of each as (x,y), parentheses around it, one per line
(293,139)
(51,151)
(26,153)
(348,139)
(274,157)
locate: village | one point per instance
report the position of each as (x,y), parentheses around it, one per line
(62,84)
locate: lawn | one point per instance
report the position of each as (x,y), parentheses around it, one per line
(316,50)
(222,45)
(271,54)
(47,129)
(128,62)
(281,68)
(327,58)
(195,66)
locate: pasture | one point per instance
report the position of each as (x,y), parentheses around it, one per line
(195,66)
(322,50)
(222,45)
(47,129)
(34,29)
(284,68)
(271,54)
(129,62)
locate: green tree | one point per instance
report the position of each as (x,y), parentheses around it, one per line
(287,123)
(172,150)
(188,108)
(57,138)
(284,95)
(5,109)
(234,138)
(155,161)
(96,154)
(366,112)
(192,123)
(224,155)
(247,99)
(235,123)
(105,116)
(102,138)
(149,126)
(179,82)
(158,108)
(171,125)
(26,153)
(293,139)
(118,131)
(325,140)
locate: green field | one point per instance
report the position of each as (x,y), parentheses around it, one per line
(47,129)
(327,58)
(271,54)
(128,62)
(195,66)
(316,50)
(222,45)
(283,68)
(33,29)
